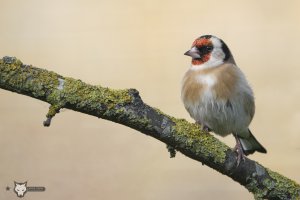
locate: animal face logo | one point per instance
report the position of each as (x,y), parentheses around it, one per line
(20,189)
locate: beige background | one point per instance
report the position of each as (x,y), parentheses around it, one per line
(140,44)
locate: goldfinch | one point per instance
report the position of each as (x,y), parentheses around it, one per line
(217,95)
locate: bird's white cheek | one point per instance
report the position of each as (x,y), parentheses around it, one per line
(218,54)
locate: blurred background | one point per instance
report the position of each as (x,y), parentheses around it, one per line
(140,44)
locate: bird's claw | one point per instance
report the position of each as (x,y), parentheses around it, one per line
(240,153)
(240,156)
(206,128)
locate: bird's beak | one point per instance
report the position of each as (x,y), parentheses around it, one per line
(193,52)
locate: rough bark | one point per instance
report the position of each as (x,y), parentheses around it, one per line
(126,107)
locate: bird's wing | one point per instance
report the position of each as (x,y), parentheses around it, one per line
(249,105)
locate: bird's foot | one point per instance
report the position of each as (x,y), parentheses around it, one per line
(206,128)
(240,153)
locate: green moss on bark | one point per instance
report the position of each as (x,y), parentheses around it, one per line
(199,141)
(85,95)
(21,77)
(282,187)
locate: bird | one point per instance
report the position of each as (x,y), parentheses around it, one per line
(217,95)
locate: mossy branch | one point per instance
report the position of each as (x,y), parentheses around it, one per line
(126,107)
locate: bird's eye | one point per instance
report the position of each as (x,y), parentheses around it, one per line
(209,48)
(205,49)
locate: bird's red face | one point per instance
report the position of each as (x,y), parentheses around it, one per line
(201,50)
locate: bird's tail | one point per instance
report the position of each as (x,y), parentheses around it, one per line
(250,144)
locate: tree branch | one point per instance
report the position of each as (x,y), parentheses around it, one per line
(126,107)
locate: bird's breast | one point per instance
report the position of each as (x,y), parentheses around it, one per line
(198,87)
(209,85)
(192,88)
